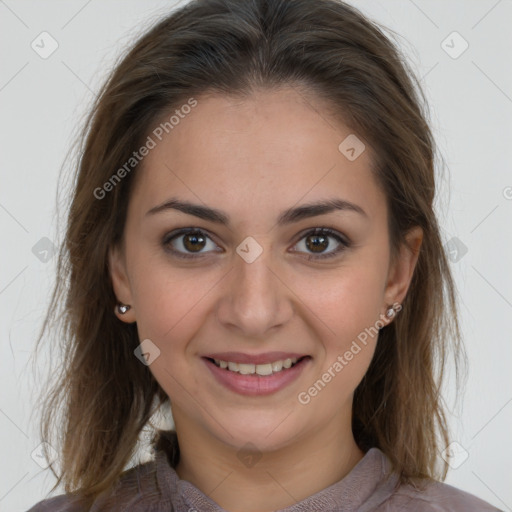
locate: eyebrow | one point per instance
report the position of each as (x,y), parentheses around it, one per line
(286,217)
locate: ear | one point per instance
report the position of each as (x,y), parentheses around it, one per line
(121,283)
(402,269)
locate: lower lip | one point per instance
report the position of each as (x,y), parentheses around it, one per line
(256,385)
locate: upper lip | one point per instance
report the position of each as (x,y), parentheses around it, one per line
(266,357)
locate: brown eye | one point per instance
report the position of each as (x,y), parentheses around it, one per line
(318,241)
(194,242)
(188,243)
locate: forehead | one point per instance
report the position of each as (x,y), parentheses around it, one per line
(271,150)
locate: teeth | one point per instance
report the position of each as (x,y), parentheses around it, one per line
(277,366)
(244,369)
(260,369)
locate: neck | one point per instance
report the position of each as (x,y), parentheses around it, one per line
(245,481)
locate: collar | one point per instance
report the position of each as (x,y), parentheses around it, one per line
(370,482)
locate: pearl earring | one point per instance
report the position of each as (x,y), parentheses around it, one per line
(123,308)
(392,310)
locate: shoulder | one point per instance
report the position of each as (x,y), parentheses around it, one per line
(435,496)
(137,490)
(61,503)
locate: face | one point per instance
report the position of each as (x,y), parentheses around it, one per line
(251,279)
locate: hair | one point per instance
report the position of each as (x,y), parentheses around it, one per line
(329,50)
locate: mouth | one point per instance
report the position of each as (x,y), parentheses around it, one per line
(261,370)
(256,379)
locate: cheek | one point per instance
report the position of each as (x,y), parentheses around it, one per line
(171,308)
(347,306)
(347,301)
(169,300)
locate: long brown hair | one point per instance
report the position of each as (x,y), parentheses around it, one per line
(102,396)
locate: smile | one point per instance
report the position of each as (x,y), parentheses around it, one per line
(256,379)
(260,369)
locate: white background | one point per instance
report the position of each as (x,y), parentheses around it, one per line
(43,102)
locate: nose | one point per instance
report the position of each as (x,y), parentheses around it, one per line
(255,298)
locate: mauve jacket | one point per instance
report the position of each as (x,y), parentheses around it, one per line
(154,486)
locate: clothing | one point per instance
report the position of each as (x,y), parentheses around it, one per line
(156,487)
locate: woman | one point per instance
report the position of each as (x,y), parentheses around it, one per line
(252,241)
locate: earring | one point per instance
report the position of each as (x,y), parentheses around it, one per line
(123,308)
(392,310)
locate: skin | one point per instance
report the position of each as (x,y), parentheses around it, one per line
(252,159)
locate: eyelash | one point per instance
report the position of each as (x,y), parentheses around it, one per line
(344,243)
